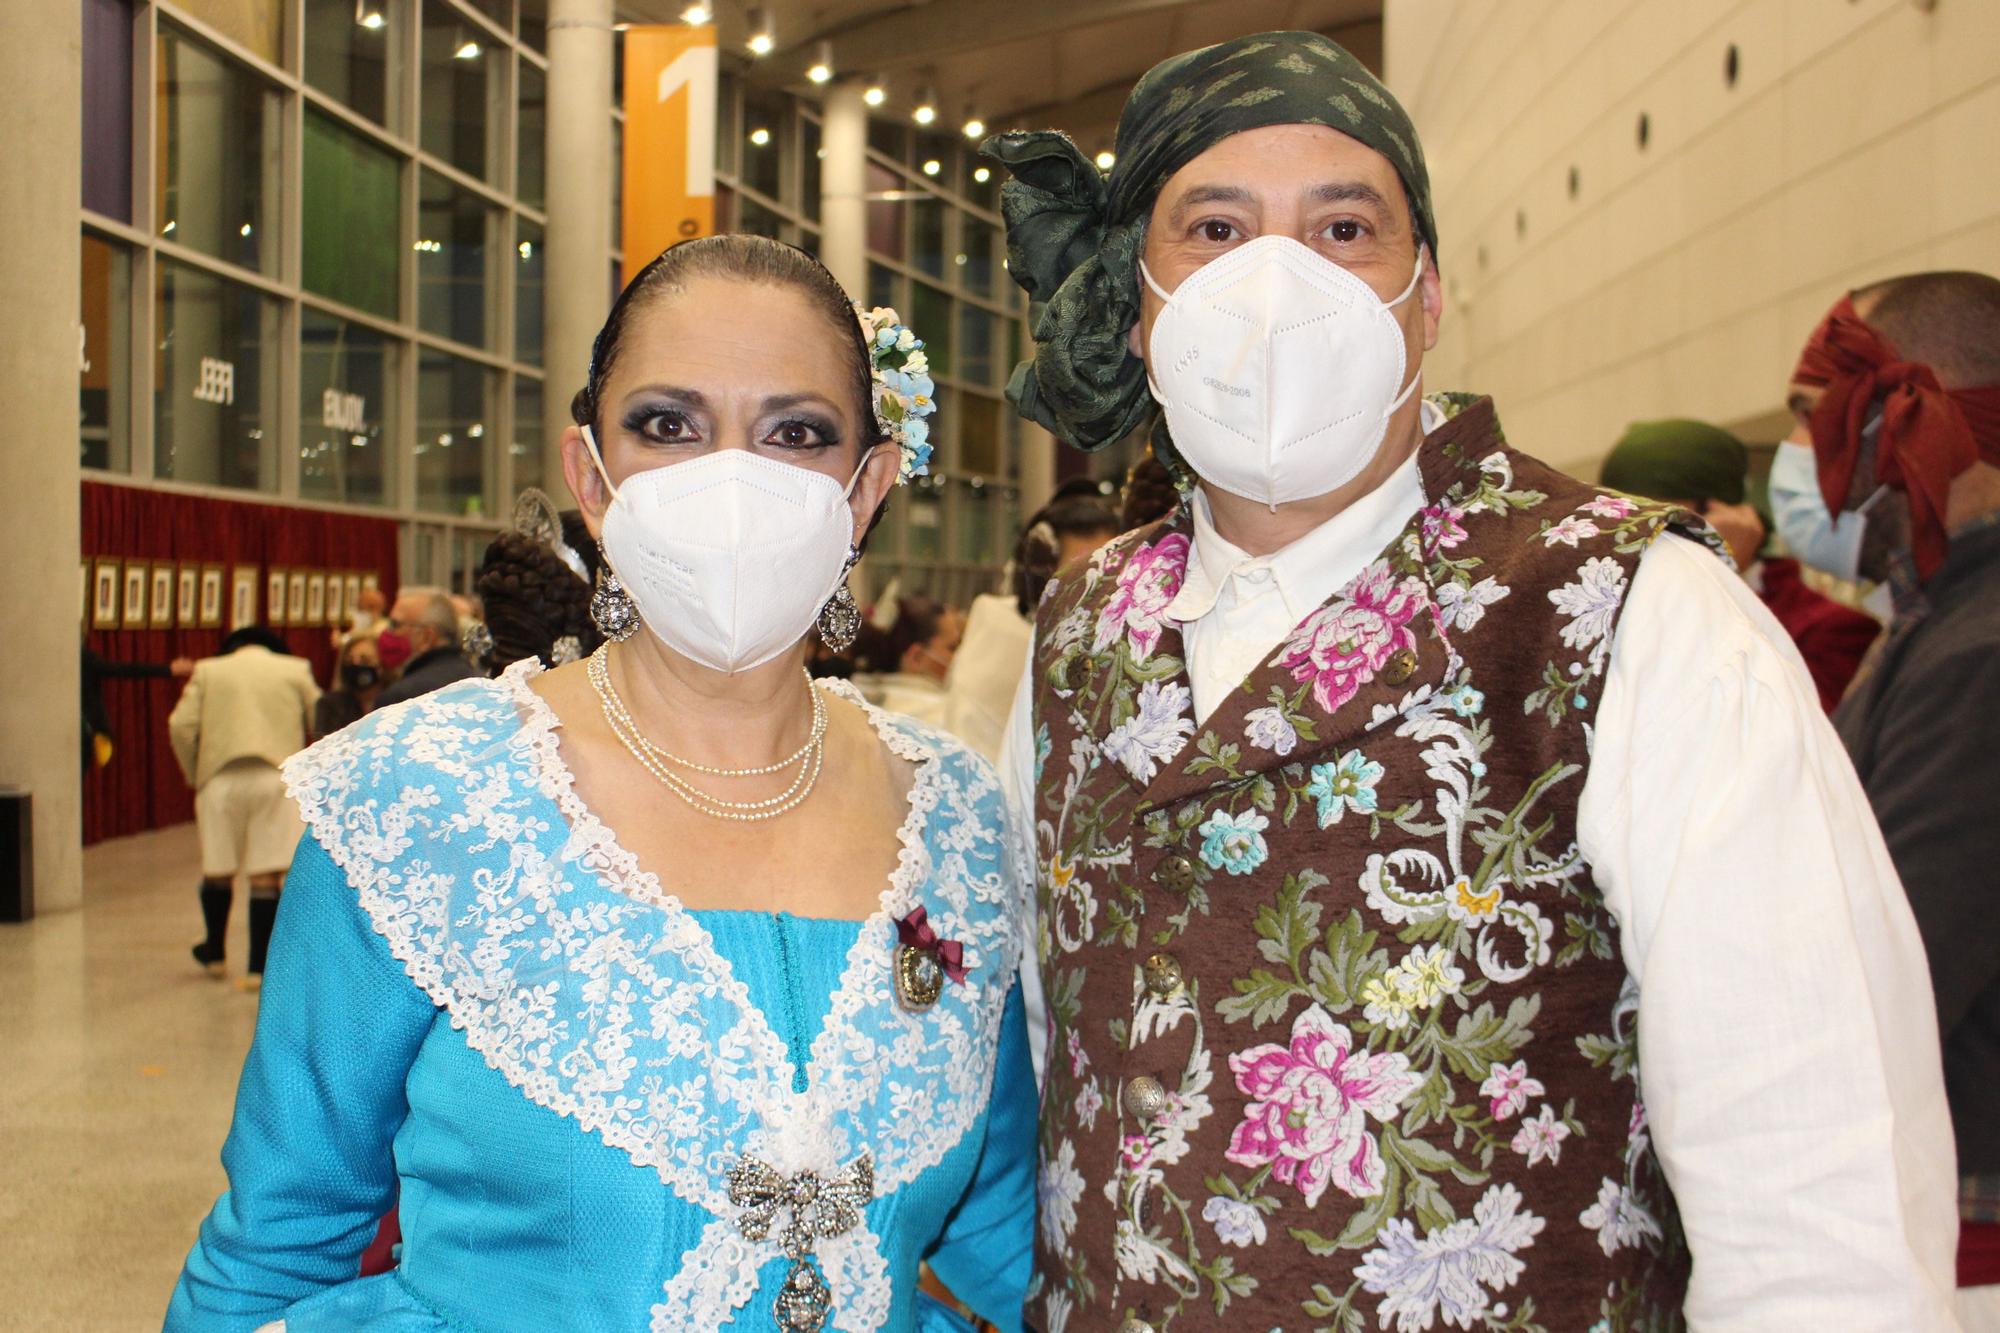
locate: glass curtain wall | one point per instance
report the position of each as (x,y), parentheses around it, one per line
(936,254)
(312,255)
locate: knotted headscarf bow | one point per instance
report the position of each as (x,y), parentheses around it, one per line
(1074,236)
(1929,434)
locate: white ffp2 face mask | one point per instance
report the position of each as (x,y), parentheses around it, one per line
(1817,537)
(729,556)
(1278,370)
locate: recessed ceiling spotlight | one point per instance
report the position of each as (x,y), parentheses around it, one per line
(821,70)
(1106,160)
(875,94)
(975,128)
(697,14)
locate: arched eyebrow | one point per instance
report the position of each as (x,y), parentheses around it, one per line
(1348,192)
(1197,195)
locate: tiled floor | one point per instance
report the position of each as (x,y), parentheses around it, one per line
(118,1065)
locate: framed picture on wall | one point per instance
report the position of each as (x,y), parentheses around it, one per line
(104,594)
(336,598)
(316,598)
(211,595)
(352,591)
(242,596)
(274,597)
(187,594)
(295,597)
(160,606)
(132,615)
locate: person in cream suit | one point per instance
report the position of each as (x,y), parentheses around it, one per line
(242,714)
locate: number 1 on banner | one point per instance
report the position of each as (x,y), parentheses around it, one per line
(669,170)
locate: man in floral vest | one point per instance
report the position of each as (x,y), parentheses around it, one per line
(1455,911)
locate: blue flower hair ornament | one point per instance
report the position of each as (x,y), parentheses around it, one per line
(905,396)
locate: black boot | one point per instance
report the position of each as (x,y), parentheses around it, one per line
(263,911)
(215,898)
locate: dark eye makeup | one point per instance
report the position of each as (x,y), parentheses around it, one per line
(804,431)
(661,424)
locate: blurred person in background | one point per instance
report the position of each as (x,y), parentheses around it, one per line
(902,667)
(364,617)
(999,627)
(1706,469)
(1149,493)
(535,590)
(1897,398)
(358,681)
(241,715)
(421,641)
(1454,900)
(98,741)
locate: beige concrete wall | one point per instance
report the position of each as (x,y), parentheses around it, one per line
(1681,278)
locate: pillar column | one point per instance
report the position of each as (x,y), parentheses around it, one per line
(577,284)
(843,189)
(41,99)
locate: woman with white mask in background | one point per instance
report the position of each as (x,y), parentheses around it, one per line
(688,985)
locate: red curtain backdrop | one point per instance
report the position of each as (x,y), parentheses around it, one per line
(142,787)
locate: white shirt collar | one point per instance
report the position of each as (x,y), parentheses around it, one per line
(1314,567)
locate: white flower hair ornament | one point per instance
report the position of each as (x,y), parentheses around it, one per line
(905,397)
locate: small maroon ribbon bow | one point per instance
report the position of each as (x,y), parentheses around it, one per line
(915,931)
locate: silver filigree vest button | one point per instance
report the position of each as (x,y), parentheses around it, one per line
(1144,1097)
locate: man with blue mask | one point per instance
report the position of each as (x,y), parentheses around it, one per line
(1704,468)
(1897,396)
(1454,909)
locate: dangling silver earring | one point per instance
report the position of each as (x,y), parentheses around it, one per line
(612,609)
(840,618)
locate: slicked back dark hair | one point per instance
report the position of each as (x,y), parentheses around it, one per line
(745,258)
(1950,321)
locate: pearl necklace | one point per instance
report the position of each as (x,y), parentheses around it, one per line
(655,760)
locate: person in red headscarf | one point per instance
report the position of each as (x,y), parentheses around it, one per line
(1898,394)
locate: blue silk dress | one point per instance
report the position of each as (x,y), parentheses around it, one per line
(480,1008)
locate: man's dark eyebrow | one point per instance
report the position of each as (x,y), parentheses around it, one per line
(1210,194)
(1348,192)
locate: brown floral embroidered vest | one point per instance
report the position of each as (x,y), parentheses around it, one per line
(1341,1037)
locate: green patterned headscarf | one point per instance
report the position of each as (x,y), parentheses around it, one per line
(1074,236)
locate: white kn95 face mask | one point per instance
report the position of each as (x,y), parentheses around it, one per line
(1278,370)
(728,556)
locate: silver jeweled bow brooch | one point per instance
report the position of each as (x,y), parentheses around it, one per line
(818,1209)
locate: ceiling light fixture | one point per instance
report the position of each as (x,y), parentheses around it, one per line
(760,136)
(875,94)
(763,40)
(468,50)
(981,175)
(821,70)
(368,14)
(1106,160)
(697,14)
(932,166)
(975,128)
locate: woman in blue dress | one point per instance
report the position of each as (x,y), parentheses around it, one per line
(663,990)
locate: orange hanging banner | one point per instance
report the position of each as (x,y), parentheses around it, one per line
(669,168)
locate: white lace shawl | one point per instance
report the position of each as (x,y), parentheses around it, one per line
(593,991)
